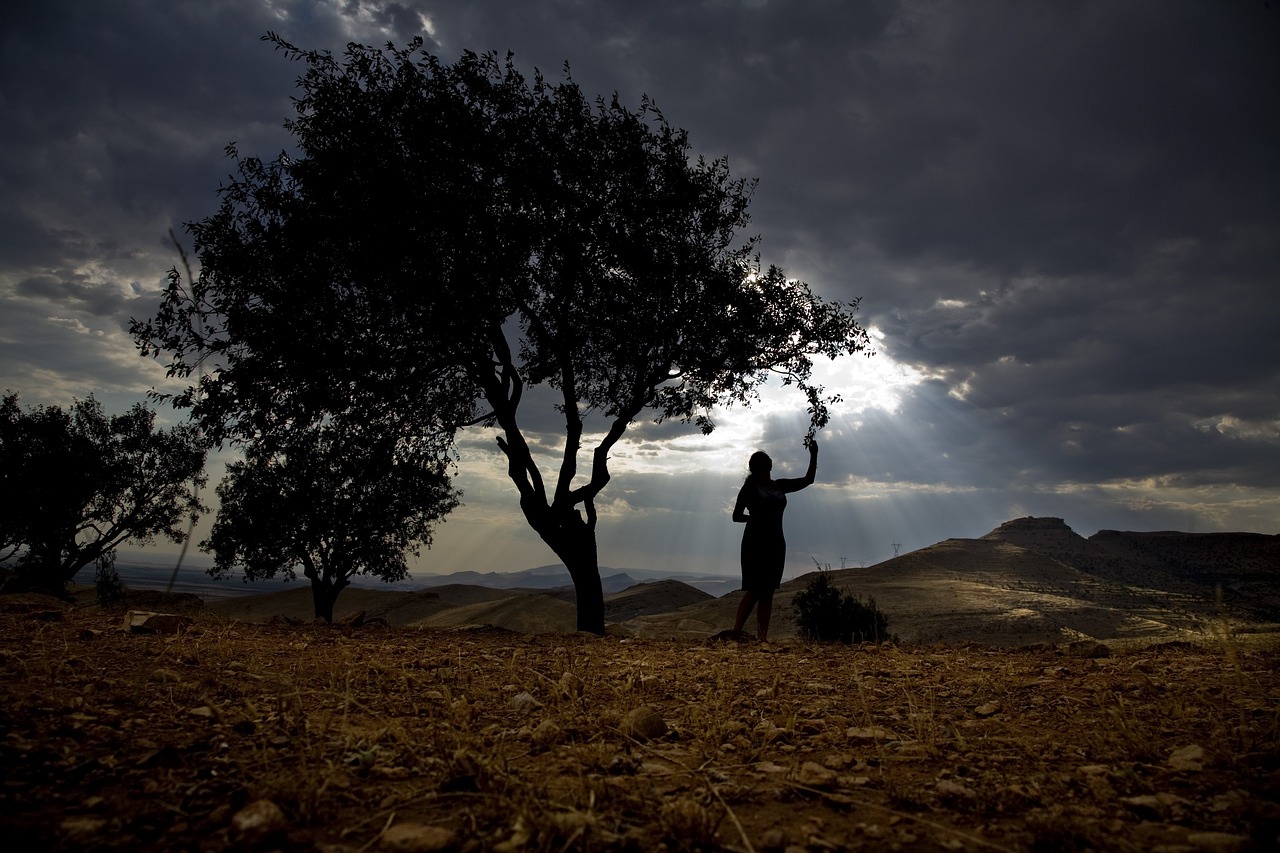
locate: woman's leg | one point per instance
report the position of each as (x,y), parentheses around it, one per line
(744,610)
(763,615)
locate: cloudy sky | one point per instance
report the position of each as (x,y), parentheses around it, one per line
(1063,219)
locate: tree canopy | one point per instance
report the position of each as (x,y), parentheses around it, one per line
(445,236)
(333,504)
(75,484)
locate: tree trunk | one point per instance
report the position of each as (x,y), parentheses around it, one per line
(574,542)
(326,583)
(588,593)
(323,596)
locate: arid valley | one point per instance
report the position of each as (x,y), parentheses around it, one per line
(1042,692)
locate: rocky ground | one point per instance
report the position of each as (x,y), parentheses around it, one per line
(238,736)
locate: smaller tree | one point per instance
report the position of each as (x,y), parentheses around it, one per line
(76,484)
(335,502)
(827,615)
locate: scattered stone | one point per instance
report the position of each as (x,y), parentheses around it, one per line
(988,709)
(203,712)
(1153,806)
(954,790)
(82,829)
(768,730)
(146,622)
(524,703)
(353,620)
(813,775)
(773,839)
(770,767)
(1217,842)
(258,820)
(1088,649)
(417,838)
(1187,758)
(571,686)
(548,734)
(643,723)
(868,733)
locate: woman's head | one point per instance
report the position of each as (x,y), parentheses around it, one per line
(760,464)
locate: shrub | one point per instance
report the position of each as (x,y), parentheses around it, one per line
(826,614)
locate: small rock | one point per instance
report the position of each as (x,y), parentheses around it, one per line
(988,709)
(644,723)
(548,734)
(770,767)
(524,703)
(203,712)
(868,733)
(1153,806)
(146,622)
(571,686)
(954,790)
(258,820)
(82,829)
(1088,649)
(1187,758)
(773,839)
(416,838)
(353,620)
(813,775)
(1217,842)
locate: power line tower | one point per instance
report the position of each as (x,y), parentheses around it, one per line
(896,546)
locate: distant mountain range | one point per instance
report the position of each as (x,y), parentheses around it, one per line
(557,577)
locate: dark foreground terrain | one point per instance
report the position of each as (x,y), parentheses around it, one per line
(240,736)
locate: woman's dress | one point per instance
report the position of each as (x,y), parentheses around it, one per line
(764,549)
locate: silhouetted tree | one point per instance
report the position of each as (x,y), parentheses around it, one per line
(448,236)
(75,484)
(335,505)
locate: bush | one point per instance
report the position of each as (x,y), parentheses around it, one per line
(827,615)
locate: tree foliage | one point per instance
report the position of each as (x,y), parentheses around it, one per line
(333,504)
(448,236)
(75,484)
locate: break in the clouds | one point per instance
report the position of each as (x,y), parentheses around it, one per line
(1063,220)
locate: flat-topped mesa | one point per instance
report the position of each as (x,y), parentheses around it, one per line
(1053,538)
(1036,533)
(1029,523)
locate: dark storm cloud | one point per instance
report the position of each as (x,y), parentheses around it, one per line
(1064,215)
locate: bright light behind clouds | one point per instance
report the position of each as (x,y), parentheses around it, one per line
(1068,272)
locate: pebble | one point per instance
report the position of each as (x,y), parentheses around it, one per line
(989,709)
(813,775)
(571,686)
(868,733)
(644,723)
(548,733)
(416,838)
(259,819)
(1217,842)
(1187,758)
(524,703)
(955,790)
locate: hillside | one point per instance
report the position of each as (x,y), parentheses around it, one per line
(1028,581)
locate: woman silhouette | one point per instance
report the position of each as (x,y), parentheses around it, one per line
(761,501)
